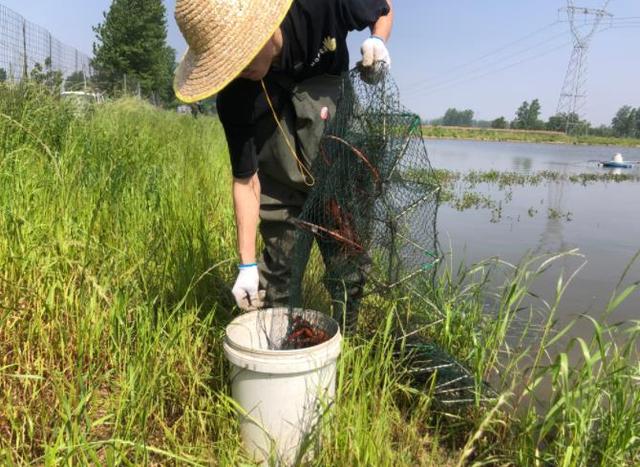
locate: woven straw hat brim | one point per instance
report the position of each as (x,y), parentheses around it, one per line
(200,76)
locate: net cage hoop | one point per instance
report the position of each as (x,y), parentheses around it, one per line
(360,155)
(315,229)
(411,130)
(372,218)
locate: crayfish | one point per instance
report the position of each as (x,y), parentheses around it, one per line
(303,335)
(342,231)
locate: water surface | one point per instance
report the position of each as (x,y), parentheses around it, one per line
(602,220)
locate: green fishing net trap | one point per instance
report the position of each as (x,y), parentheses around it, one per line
(372,213)
(373,208)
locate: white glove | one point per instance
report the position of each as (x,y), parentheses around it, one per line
(245,290)
(376,60)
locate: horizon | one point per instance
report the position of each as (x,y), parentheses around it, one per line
(487,58)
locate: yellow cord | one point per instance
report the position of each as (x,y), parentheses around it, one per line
(309,180)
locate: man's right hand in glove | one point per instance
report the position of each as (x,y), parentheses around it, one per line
(246,289)
(246,202)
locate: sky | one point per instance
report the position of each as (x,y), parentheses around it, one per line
(487,56)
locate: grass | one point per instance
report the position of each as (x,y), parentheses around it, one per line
(524,136)
(116,255)
(506,179)
(459,190)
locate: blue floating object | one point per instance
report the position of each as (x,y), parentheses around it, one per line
(616,165)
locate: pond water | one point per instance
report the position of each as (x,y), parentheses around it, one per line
(600,219)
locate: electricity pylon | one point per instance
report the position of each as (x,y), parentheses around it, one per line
(584,23)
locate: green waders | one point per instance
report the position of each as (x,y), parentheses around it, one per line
(284,192)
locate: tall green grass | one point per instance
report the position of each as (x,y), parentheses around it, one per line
(116,253)
(565,400)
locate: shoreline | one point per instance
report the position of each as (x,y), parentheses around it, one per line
(523,136)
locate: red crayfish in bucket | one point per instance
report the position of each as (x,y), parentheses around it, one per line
(303,335)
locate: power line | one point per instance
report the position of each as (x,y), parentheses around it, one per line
(609,21)
(427,86)
(491,53)
(442,79)
(487,71)
(496,66)
(493,71)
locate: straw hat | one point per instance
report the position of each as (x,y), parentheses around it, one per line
(224,36)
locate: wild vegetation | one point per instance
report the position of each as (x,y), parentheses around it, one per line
(116,253)
(524,136)
(464,191)
(509,179)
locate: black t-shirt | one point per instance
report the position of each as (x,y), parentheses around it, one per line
(314,43)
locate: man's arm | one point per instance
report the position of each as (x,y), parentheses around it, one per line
(246,201)
(375,55)
(382,28)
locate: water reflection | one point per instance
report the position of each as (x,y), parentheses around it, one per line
(552,238)
(522,164)
(602,220)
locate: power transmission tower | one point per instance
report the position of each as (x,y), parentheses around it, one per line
(584,23)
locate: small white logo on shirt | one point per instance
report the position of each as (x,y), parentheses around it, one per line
(330,44)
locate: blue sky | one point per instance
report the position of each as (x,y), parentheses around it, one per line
(442,52)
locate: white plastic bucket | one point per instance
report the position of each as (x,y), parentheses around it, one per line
(282,393)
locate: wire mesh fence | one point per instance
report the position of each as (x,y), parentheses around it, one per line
(25,46)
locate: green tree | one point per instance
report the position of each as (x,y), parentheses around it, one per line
(561,121)
(3,75)
(132,47)
(499,123)
(533,117)
(602,130)
(557,122)
(626,122)
(522,114)
(528,116)
(455,117)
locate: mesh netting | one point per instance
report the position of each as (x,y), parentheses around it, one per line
(373,208)
(372,213)
(25,45)
(293,329)
(429,367)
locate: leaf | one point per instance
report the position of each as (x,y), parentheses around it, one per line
(617,300)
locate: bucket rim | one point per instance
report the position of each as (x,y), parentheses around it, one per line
(337,337)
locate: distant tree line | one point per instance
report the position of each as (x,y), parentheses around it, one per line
(626,122)
(455,117)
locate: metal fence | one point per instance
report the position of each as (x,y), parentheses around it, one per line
(24,44)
